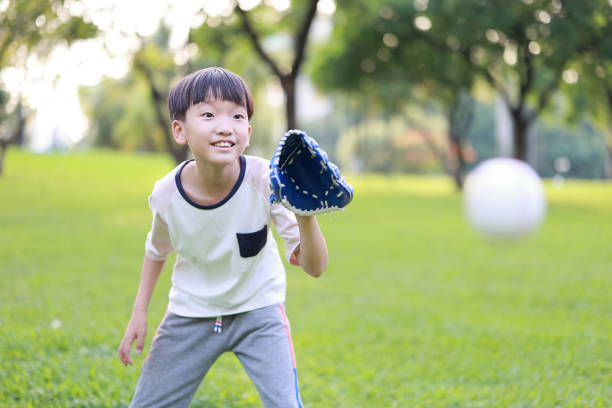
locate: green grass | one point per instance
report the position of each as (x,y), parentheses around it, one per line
(415,309)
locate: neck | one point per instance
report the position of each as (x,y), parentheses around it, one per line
(215,178)
(207,184)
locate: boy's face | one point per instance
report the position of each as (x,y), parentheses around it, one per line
(216,131)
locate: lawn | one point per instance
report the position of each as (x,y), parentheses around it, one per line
(415,309)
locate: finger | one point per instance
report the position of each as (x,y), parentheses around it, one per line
(140,343)
(124,350)
(127,361)
(121,352)
(294,258)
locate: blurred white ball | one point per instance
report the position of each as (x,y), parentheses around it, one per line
(504,198)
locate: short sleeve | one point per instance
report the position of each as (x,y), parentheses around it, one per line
(287,228)
(158,245)
(258,176)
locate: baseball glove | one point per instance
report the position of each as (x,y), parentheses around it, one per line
(303,179)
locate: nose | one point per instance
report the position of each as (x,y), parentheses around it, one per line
(223,127)
(225,131)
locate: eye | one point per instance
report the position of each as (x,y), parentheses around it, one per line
(239,116)
(207,115)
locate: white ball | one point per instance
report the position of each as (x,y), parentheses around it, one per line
(504,198)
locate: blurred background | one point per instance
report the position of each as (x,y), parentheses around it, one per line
(407,97)
(410,86)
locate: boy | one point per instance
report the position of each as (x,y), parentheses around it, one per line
(228,282)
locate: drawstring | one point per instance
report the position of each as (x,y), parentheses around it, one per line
(218,324)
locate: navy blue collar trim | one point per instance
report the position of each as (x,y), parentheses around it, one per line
(179,185)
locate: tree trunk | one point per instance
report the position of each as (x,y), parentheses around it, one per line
(288,84)
(460,120)
(521,126)
(520,141)
(178,152)
(288,80)
(17,137)
(458,170)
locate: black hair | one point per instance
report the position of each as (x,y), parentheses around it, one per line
(214,82)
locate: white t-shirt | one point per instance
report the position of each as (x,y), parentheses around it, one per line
(227,259)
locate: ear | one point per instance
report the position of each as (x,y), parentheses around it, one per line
(178,131)
(249,137)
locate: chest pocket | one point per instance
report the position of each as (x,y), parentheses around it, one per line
(251,243)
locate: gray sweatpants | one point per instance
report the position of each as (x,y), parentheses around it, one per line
(184,349)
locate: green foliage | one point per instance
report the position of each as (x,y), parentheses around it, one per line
(520,48)
(415,309)
(4,98)
(123,116)
(37,25)
(32,27)
(387,53)
(125,113)
(220,42)
(592,93)
(351,60)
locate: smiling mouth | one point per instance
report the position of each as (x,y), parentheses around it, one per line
(223,144)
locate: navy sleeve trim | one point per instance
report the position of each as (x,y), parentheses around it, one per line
(179,186)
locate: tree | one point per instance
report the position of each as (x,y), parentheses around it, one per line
(390,58)
(524,49)
(131,113)
(122,115)
(36,26)
(12,126)
(590,84)
(287,77)
(231,40)
(520,48)
(156,66)
(33,27)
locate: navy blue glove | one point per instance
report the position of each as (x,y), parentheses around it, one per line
(303,179)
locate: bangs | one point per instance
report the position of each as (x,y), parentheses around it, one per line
(211,83)
(216,86)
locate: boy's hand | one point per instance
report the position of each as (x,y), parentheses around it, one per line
(295,257)
(136,330)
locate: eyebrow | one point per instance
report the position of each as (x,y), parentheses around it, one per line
(243,108)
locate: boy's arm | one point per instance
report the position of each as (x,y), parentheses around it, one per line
(137,327)
(311,254)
